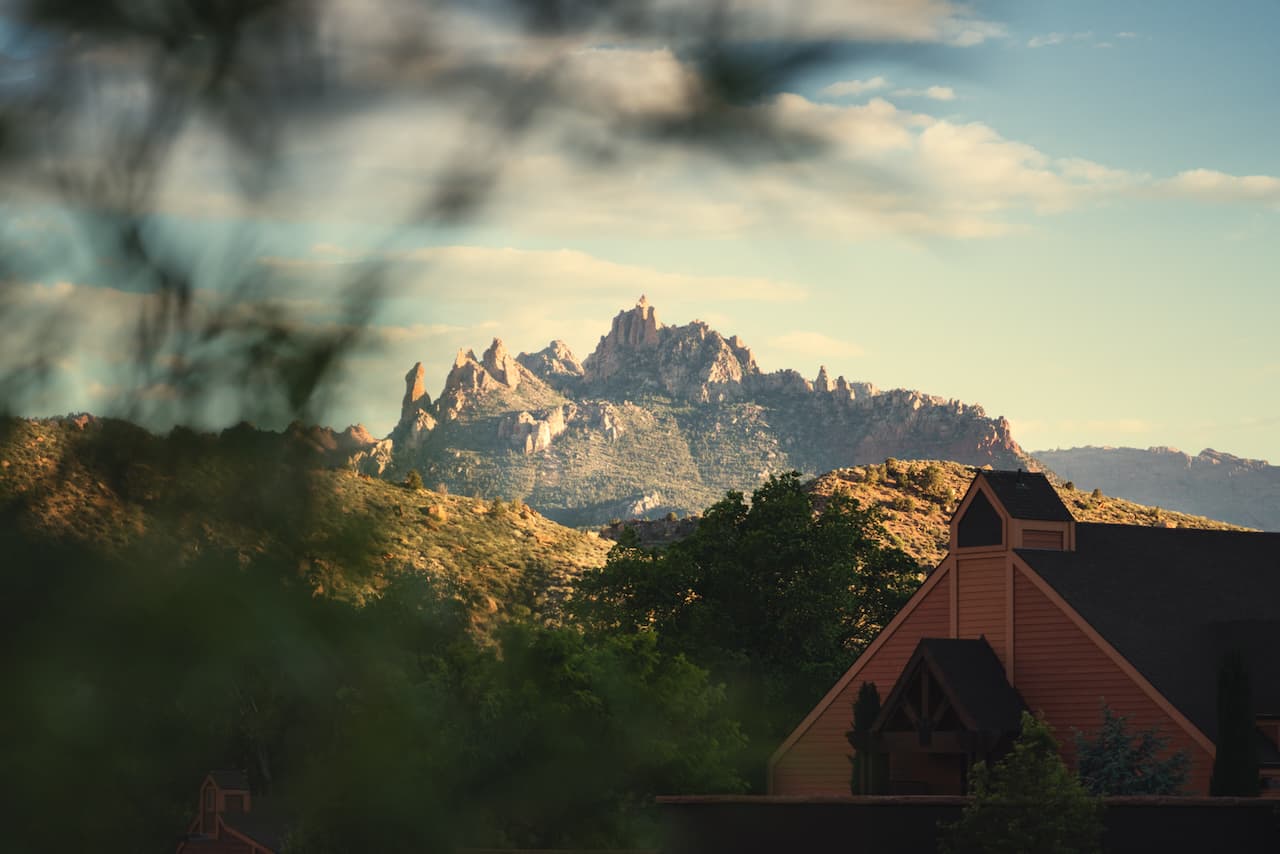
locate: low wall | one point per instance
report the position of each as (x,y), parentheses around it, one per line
(910,824)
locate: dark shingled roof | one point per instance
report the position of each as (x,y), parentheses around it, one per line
(973,676)
(1027,495)
(1173,600)
(226,778)
(262,827)
(970,670)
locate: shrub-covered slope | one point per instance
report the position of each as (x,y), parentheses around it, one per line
(111,486)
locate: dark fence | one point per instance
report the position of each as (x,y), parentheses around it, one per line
(910,824)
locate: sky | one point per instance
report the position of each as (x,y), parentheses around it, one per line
(1064,212)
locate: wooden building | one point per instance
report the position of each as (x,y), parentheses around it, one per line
(226,821)
(1031,609)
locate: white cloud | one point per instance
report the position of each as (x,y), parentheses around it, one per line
(815,344)
(936,93)
(1051,39)
(1046,40)
(480,272)
(936,21)
(1214,186)
(886,170)
(853,88)
(627,80)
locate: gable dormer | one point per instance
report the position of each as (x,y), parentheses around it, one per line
(1006,510)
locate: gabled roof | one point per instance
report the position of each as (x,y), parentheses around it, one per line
(1027,495)
(267,830)
(1172,601)
(973,679)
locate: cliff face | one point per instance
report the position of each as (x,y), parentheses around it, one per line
(1211,483)
(660,418)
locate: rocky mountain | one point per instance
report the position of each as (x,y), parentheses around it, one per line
(1211,483)
(658,418)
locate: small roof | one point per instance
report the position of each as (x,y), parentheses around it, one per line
(231,779)
(974,680)
(1027,495)
(263,828)
(1172,601)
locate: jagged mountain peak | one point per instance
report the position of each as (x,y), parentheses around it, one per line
(554,362)
(659,417)
(692,362)
(415,392)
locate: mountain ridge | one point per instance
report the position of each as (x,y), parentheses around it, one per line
(1211,483)
(659,418)
(915,500)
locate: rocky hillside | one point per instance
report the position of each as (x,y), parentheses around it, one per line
(916,500)
(1211,483)
(260,496)
(658,419)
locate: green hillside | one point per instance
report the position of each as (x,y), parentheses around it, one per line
(113,487)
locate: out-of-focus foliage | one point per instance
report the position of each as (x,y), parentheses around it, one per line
(106,106)
(769,596)
(386,727)
(131,671)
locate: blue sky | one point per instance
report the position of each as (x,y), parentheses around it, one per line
(1068,215)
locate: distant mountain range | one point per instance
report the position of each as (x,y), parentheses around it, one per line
(657,419)
(1222,486)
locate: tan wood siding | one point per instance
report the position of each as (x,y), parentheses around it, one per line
(1064,674)
(981,605)
(818,762)
(1033,539)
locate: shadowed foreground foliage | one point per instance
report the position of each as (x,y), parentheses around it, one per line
(1027,801)
(131,670)
(386,727)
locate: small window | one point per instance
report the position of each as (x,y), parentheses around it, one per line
(208,798)
(980,525)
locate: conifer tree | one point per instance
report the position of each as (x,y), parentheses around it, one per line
(1235,764)
(870,773)
(1119,762)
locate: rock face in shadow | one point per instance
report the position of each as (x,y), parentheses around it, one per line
(661,418)
(1211,483)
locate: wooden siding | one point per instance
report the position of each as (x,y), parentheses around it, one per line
(818,762)
(1061,672)
(1036,539)
(981,600)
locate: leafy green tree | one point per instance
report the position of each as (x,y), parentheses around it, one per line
(1027,802)
(1235,763)
(1117,761)
(772,598)
(413,480)
(932,481)
(870,774)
